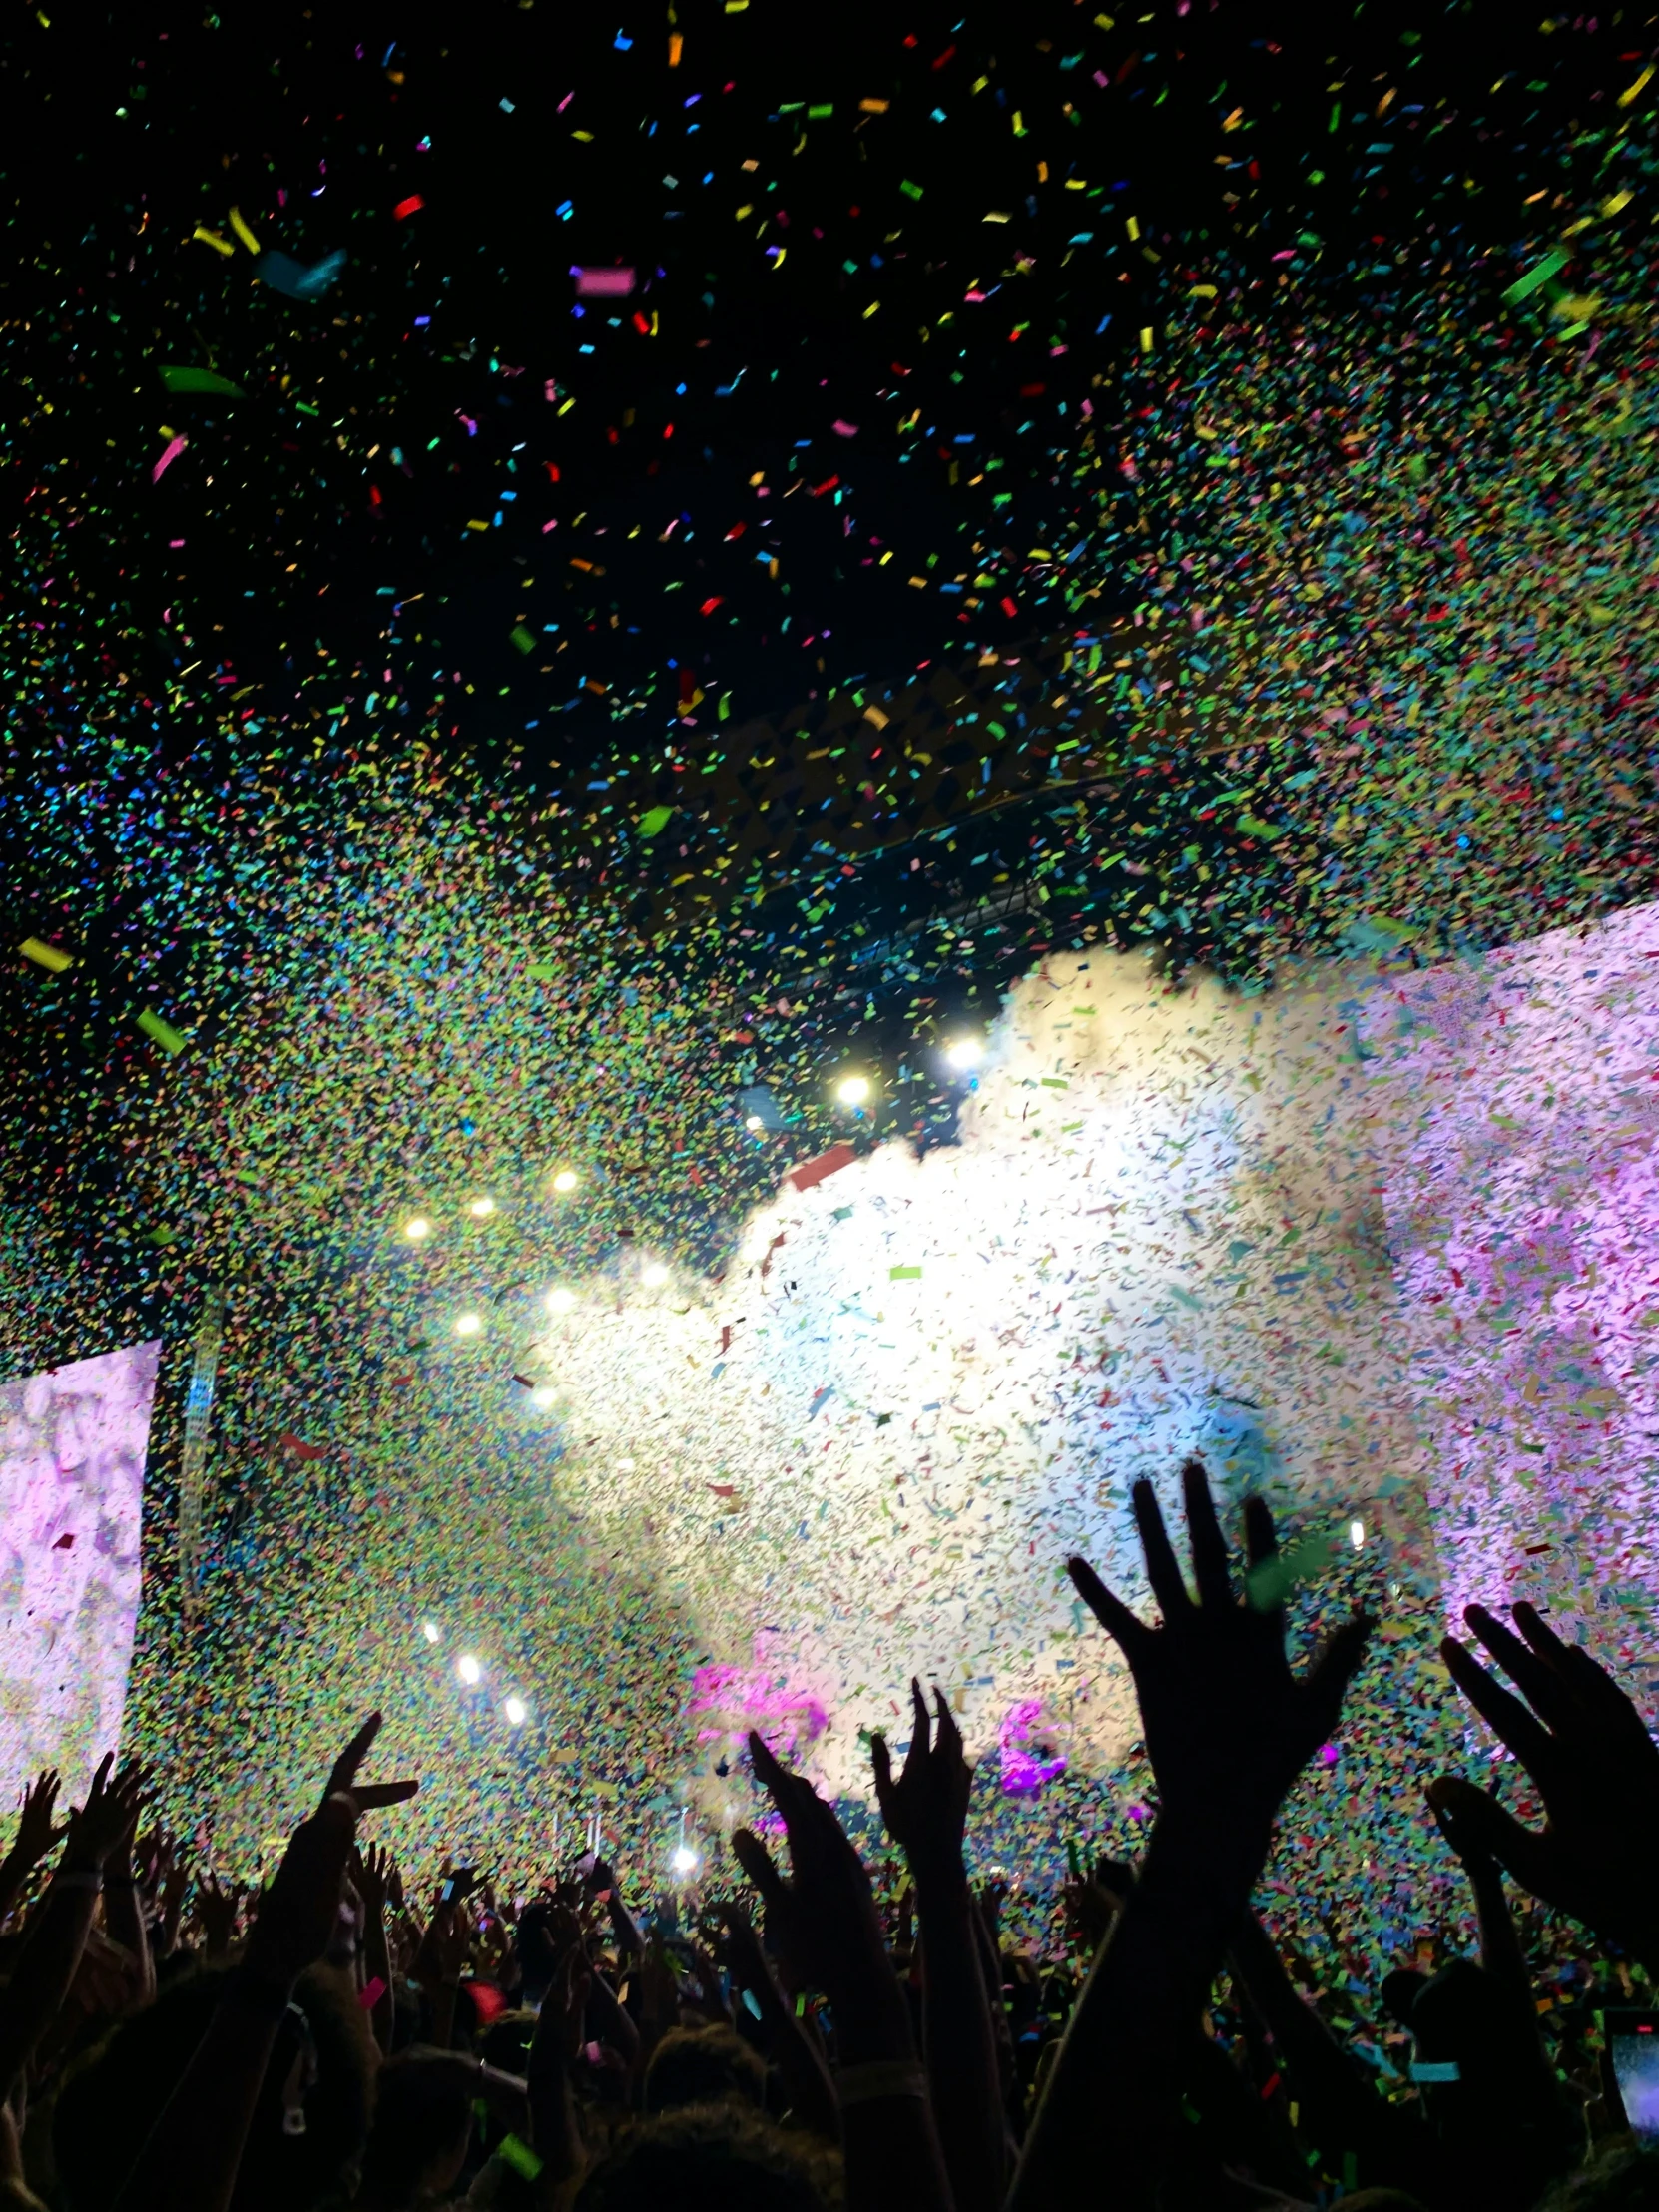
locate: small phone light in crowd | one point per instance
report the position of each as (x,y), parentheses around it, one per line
(654,1275)
(560,1302)
(565,1180)
(543,1398)
(468,1324)
(684,1861)
(468,1668)
(516,1711)
(1357,1534)
(482,1209)
(417,1229)
(753,1122)
(431,1631)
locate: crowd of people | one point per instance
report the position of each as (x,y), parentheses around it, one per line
(842,2036)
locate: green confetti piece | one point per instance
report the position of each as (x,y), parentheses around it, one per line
(524,639)
(520,2157)
(162,1033)
(906,185)
(201,379)
(654,821)
(543,971)
(1537,275)
(903,1275)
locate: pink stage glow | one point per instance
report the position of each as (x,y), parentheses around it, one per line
(72,1451)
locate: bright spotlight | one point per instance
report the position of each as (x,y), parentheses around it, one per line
(965,1053)
(654,1276)
(468,1669)
(482,1209)
(853,1090)
(560,1302)
(468,1324)
(417,1228)
(430,1630)
(565,1180)
(515,1712)
(684,1860)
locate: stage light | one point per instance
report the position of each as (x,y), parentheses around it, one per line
(468,1669)
(482,1209)
(1357,1533)
(684,1861)
(417,1228)
(515,1712)
(752,1122)
(853,1090)
(965,1053)
(565,1180)
(560,1302)
(654,1276)
(544,1397)
(468,1324)
(431,1631)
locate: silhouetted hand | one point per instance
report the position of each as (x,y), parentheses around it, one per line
(35,1833)
(299,1911)
(927,1808)
(823,1922)
(371,1873)
(1596,1768)
(108,1816)
(218,1911)
(1228,1726)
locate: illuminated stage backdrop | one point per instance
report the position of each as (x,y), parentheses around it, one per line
(72,1451)
(1382,1242)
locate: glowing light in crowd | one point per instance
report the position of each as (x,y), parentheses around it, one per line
(560,1302)
(752,1122)
(515,1712)
(544,1397)
(417,1228)
(684,1860)
(468,1324)
(654,1276)
(965,1053)
(853,1090)
(430,1630)
(1357,1533)
(468,1669)
(565,1180)
(482,1209)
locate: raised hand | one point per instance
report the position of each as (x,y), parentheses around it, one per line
(299,1911)
(373,1867)
(107,1818)
(926,1809)
(1596,1768)
(823,1922)
(35,1833)
(218,1910)
(1228,1726)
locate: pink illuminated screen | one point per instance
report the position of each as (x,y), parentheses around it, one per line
(73,1442)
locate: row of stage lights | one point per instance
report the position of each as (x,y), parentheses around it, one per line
(852,1090)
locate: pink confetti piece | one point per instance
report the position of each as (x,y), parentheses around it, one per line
(170,454)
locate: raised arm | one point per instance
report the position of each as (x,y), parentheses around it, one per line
(1227,1727)
(34,1839)
(795,2050)
(58,1935)
(825,1921)
(1596,1769)
(190,2159)
(926,1809)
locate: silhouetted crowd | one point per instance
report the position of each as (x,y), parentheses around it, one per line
(874,2038)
